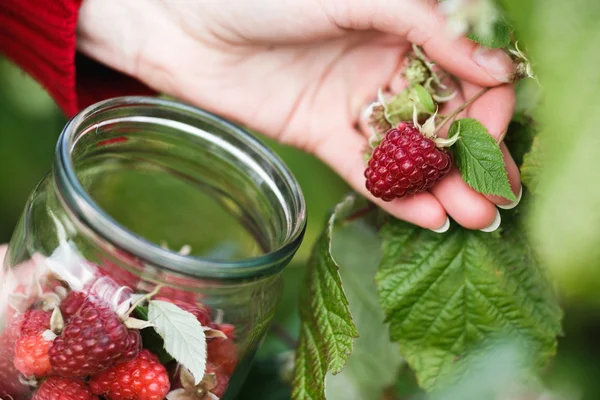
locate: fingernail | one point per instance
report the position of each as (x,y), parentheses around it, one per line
(444,227)
(515,203)
(494,225)
(495,62)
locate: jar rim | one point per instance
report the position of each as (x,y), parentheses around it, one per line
(101,224)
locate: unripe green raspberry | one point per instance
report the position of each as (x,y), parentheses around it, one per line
(416,72)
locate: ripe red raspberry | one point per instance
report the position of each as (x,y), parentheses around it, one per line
(227,329)
(143,378)
(31,356)
(201,312)
(222,353)
(71,304)
(29,323)
(10,387)
(56,388)
(94,338)
(406,162)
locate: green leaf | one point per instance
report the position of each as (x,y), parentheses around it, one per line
(498,36)
(183,335)
(400,107)
(374,364)
(479,159)
(532,167)
(425,99)
(152,340)
(327,331)
(444,295)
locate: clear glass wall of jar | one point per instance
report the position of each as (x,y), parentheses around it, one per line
(146,195)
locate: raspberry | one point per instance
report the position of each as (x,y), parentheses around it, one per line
(202,313)
(143,378)
(222,353)
(10,387)
(227,329)
(71,304)
(133,348)
(406,162)
(31,356)
(56,388)
(31,322)
(94,338)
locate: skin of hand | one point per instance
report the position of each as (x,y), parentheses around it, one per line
(301,72)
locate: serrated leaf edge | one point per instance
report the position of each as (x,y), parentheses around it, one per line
(198,367)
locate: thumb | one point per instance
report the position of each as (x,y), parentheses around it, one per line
(421,22)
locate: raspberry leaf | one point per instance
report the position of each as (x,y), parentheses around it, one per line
(327,331)
(479,159)
(184,338)
(374,364)
(152,340)
(446,295)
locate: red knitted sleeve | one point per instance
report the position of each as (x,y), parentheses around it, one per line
(39,36)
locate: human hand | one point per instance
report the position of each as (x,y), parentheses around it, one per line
(302,71)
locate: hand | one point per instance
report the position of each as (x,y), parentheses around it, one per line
(301,71)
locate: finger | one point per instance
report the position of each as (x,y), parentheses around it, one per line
(466,206)
(343,153)
(423,23)
(451,106)
(495,110)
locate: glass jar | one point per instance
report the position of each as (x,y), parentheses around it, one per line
(150,205)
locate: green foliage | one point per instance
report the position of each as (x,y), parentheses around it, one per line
(327,331)
(532,166)
(565,218)
(375,360)
(401,106)
(479,158)
(497,37)
(182,334)
(424,98)
(151,339)
(447,294)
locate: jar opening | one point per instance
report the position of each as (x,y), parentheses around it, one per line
(152,176)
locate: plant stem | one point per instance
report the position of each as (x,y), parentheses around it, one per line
(361,212)
(460,109)
(143,299)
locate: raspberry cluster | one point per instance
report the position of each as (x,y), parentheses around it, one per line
(93,355)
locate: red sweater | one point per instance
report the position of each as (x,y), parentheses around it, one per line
(39,36)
